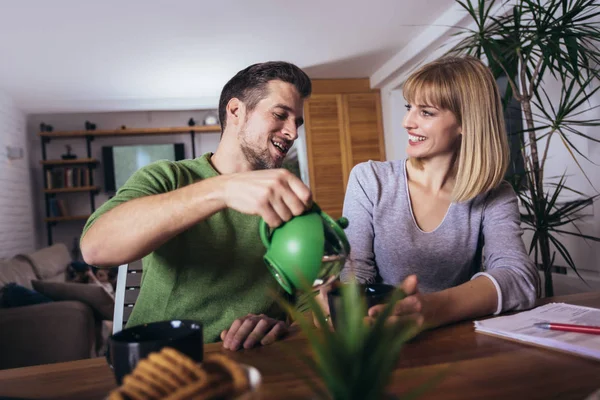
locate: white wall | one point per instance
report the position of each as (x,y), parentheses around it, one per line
(16,222)
(395,136)
(78,203)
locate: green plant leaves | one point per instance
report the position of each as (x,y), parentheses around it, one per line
(356,360)
(550,217)
(529,42)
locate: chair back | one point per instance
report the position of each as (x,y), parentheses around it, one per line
(129,280)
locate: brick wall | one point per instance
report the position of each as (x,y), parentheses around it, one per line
(16,216)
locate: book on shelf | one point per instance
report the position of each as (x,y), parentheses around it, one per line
(67,177)
(57,208)
(62,208)
(53,208)
(49,180)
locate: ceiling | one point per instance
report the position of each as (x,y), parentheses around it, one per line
(77,55)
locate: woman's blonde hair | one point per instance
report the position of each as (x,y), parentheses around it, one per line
(467,88)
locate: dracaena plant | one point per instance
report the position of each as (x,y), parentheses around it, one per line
(534,44)
(355,361)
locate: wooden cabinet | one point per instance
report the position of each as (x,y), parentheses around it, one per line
(342,130)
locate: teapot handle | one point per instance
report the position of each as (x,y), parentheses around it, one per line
(264,229)
(338,226)
(265,235)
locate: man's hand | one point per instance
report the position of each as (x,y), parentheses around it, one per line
(276,195)
(252,329)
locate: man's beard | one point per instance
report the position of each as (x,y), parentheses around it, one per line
(258,159)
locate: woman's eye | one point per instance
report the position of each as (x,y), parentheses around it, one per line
(280,116)
(407,106)
(427,113)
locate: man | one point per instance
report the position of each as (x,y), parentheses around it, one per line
(195,222)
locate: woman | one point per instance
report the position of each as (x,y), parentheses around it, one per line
(429,223)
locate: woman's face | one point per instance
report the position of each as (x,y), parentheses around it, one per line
(431,131)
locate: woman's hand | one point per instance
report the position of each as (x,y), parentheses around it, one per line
(472,299)
(415,307)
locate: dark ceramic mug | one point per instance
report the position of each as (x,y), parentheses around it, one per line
(127,347)
(374,293)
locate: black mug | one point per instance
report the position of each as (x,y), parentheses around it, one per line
(374,293)
(127,347)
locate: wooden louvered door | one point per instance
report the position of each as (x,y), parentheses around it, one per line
(326,151)
(342,130)
(363,127)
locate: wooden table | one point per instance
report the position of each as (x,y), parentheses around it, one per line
(477,367)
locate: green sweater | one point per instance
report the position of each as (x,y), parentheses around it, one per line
(213,272)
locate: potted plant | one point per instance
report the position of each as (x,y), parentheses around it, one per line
(534,44)
(356,360)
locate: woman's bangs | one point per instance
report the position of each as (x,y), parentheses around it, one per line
(423,90)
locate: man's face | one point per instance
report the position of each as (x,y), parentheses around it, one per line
(270,129)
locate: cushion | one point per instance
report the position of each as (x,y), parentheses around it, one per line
(58,278)
(92,295)
(50,261)
(16,270)
(13,295)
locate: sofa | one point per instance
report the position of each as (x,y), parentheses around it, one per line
(68,328)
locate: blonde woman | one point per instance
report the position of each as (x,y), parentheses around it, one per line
(443,224)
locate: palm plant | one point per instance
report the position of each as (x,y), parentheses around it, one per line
(532,43)
(356,360)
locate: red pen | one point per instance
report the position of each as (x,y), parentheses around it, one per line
(569,328)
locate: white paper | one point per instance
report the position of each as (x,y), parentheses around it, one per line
(521,327)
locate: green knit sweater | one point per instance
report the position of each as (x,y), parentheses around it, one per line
(213,272)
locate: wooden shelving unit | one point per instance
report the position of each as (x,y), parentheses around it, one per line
(132,131)
(73,189)
(76,161)
(67,218)
(91,163)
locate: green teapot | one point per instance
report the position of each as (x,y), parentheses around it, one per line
(308,249)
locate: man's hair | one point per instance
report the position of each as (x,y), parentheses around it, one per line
(250,84)
(467,88)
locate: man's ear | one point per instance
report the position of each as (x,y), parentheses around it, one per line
(236,111)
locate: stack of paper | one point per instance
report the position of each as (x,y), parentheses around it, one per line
(521,327)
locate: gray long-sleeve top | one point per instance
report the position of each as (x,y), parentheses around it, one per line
(387,245)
